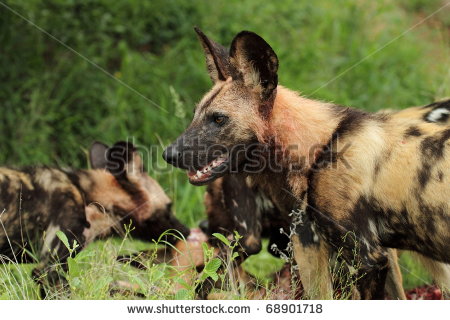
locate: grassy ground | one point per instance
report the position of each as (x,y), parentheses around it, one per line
(135,70)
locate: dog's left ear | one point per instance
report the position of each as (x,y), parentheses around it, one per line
(98,155)
(256,61)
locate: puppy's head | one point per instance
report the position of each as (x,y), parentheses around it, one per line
(131,193)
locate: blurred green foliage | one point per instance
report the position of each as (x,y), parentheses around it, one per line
(127,56)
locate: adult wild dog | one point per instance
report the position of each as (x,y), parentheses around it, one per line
(367,181)
(234,203)
(36,202)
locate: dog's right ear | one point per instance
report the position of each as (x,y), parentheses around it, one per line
(217,59)
(257,62)
(124,162)
(98,155)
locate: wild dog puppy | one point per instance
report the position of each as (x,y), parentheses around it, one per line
(36,202)
(232,204)
(366,181)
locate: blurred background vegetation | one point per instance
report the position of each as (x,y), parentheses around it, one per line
(135,68)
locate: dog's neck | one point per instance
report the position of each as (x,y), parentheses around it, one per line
(299,126)
(297,130)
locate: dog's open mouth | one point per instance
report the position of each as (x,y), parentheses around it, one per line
(208,172)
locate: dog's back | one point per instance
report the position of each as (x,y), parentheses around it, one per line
(32,200)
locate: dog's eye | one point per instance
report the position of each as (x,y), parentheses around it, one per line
(219,119)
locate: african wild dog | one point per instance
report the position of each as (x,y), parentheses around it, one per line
(233,204)
(366,181)
(37,202)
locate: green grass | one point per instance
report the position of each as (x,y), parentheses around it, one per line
(55,102)
(93,272)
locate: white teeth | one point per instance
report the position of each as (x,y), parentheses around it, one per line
(205,170)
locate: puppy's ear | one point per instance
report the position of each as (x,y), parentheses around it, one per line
(123,161)
(217,58)
(253,57)
(98,155)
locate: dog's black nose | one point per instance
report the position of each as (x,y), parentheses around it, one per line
(172,155)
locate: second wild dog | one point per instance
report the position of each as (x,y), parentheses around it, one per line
(37,202)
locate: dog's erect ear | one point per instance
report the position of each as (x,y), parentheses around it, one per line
(123,161)
(217,58)
(97,155)
(253,57)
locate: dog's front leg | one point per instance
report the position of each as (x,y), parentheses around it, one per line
(394,280)
(312,256)
(373,273)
